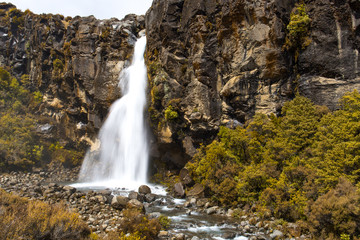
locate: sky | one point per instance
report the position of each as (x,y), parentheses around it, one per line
(101,9)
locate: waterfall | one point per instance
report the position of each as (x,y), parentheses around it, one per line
(123,156)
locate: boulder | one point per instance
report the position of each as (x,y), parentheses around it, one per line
(150,197)
(135,204)
(179,190)
(144,189)
(197,191)
(134,195)
(119,202)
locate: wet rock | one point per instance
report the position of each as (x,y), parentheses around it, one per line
(144,189)
(119,202)
(195,238)
(150,197)
(229,235)
(179,190)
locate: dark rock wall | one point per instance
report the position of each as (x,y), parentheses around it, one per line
(75,63)
(219,62)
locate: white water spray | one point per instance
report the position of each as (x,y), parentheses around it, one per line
(123,158)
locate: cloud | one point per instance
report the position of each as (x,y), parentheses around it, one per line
(99,8)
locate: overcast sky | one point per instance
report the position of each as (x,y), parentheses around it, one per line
(101,9)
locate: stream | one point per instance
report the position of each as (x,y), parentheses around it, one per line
(184,220)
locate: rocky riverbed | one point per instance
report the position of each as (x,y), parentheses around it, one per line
(192,218)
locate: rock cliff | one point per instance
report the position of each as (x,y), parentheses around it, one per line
(74,62)
(213,63)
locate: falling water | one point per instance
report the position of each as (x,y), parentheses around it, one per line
(123,157)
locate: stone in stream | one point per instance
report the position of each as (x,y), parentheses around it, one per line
(212,210)
(154,215)
(144,189)
(119,202)
(150,197)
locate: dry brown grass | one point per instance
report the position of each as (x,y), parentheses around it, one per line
(21,218)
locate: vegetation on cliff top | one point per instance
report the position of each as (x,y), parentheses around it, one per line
(301,166)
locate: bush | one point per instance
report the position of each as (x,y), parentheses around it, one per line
(285,164)
(337,212)
(138,225)
(24,219)
(298,28)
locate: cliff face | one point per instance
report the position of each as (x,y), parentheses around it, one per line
(75,63)
(215,63)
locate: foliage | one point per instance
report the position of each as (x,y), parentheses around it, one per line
(291,165)
(170,114)
(138,225)
(67,157)
(164,222)
(337,211)
(20,145)
(24,219)
(298,28)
